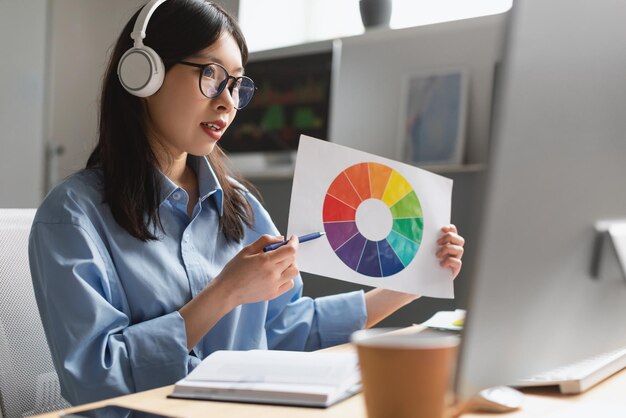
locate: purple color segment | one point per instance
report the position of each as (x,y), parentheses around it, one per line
(339,232)
(389,261)
(369,264)
(350,252)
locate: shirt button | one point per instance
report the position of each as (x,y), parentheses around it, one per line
(186,238)
(176,195)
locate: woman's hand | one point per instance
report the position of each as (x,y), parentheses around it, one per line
(451,249)
(251,276)
(380,303)
(254,276)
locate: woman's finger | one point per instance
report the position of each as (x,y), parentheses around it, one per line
(286,253)
(451,238)
(450,250)
(263,241)
(453,264)
(290,272)
(285,287)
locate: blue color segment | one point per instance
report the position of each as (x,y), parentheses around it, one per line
(370,263)
(389,261)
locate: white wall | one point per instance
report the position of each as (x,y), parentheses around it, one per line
(369,91)
(232,6)
(82,32)
(22,92)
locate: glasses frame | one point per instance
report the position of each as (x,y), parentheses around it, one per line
(223,85)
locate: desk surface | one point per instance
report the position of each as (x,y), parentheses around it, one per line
(604,400)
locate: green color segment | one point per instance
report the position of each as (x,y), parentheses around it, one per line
(410,228)
(407,207)
(405,249)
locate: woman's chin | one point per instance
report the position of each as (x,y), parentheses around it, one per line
(206,149)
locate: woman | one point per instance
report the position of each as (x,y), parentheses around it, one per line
(151,258)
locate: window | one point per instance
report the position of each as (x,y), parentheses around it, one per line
(271,24)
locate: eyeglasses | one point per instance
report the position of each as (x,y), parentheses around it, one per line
(214,78)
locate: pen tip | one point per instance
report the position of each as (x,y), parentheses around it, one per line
(322,233)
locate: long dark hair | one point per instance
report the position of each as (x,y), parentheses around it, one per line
(177,29)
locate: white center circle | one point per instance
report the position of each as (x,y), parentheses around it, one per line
(373,218)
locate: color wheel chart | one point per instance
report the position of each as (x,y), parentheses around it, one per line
(373,219)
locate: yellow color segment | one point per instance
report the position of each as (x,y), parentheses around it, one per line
(397,188)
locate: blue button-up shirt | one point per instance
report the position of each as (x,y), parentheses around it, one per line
(109,302)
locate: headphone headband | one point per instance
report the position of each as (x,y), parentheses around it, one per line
(139,31)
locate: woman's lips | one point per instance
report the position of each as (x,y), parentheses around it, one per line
(212,129)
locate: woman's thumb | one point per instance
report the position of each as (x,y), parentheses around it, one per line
(265,240)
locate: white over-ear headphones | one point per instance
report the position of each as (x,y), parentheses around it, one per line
(141,70)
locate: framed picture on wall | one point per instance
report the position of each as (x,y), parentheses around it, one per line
(432,117)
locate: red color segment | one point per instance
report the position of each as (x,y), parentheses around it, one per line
(335,210)
(342,189)
(359,175)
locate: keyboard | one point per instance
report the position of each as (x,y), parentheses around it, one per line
(580,376)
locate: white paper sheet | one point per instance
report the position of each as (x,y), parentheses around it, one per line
(447,320)
(382,219)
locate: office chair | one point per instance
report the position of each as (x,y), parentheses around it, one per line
(28,382)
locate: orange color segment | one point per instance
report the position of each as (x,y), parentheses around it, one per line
(335,210)
(342,189)
(379,177)
(360,178)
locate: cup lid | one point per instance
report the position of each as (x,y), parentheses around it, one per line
(402,338)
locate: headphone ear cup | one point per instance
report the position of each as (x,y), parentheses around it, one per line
(141,71)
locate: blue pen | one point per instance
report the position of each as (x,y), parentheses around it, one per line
(303,238)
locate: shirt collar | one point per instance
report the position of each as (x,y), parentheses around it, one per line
(207,182)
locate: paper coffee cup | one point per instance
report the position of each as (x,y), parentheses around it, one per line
(405,375)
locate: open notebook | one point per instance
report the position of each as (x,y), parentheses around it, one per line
(317,379)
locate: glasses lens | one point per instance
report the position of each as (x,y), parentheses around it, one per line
(242,92)
(214,80)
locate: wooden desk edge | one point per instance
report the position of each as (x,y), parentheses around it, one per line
(539,401)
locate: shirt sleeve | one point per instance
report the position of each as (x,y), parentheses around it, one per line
(97,351)
(296,322)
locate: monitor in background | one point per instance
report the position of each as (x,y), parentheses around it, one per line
(558,166)
(293,98)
